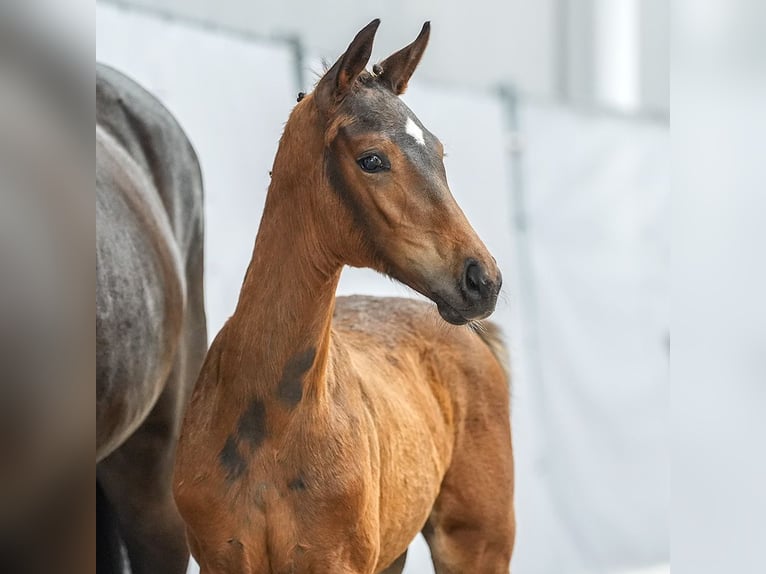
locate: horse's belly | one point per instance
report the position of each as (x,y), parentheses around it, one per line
(139,305)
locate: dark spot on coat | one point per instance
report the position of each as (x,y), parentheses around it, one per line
(232,460)
(252,424)
(290,388)
(297,483)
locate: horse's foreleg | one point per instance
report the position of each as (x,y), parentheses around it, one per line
(472,526)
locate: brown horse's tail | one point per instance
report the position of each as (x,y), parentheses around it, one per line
(492,336)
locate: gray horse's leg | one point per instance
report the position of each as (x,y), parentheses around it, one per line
(136,479)
(108,543)
(397,566)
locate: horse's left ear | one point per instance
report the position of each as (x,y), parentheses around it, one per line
(338,80)
(397,69)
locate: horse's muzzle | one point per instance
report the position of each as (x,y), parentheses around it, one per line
(475,296)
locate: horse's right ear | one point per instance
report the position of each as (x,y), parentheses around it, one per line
(338,80)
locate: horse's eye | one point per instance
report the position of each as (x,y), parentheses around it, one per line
(372,163)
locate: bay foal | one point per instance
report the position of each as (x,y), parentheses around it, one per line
(322,434)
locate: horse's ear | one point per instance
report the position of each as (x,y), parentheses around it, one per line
(338,79)
(397,69)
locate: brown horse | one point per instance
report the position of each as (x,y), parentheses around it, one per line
(323,435)
(150,321)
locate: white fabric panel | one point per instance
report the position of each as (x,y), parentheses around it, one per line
(596,193)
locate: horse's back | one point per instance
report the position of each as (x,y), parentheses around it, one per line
(406,351)
(148,238)
(393,327)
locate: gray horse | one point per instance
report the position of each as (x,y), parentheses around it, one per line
(150,321)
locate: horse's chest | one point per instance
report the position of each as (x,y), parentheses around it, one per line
(284,526)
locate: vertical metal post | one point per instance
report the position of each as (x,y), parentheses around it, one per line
(561,49)
(299,61)
(520,223)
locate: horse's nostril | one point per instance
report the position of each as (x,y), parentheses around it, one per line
(471,282)
(475,281)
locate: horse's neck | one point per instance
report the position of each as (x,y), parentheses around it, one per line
(279,336)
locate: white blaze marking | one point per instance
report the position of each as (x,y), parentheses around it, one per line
(414,130)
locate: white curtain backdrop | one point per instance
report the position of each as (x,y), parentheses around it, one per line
(593,299)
